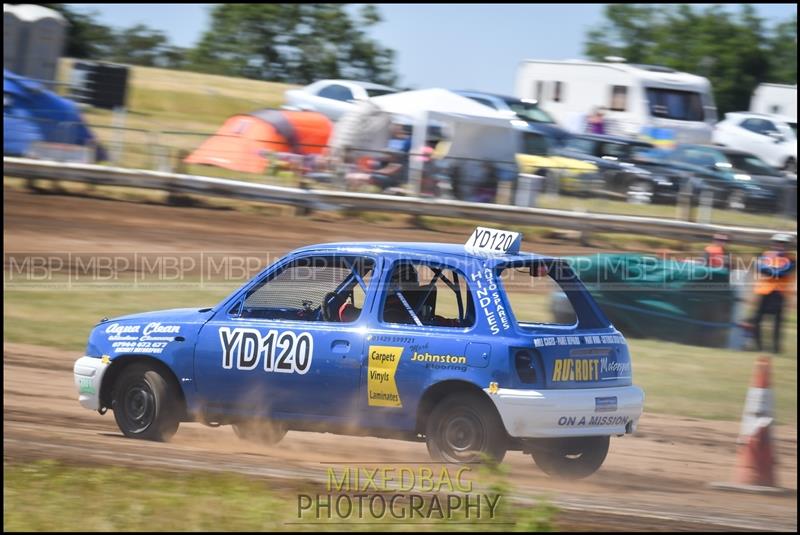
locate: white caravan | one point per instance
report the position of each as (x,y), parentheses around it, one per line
(646,101)
(777,99)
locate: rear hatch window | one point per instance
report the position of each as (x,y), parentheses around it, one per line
(547,293)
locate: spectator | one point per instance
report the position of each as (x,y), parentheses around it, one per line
(487,188)
(595,124)
(776,269)
(391,174)
(400,140)
(428,186)
(392,168)
(716,256)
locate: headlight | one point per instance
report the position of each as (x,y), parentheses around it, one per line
(739,176)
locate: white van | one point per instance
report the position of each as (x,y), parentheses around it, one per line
(656,103)
(776,99)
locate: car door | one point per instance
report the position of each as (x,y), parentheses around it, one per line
(423,331)
(756,138)
(282,347)
(773,145)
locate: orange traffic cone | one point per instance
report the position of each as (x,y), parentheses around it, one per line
(755,461)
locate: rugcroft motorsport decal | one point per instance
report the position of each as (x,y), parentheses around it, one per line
(589,369)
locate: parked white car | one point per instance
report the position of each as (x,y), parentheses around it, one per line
(771,137)
(333,98)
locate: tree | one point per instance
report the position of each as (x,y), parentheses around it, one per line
(139,45)
(783,52)
(734,51)
(295,43)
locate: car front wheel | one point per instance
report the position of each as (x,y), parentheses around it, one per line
(570,457)
(146,404)
(640,192)
(465,428)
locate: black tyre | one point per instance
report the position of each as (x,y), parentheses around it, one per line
(641,192)
(146,404)
(465,428)
(737,200)
(267,432)
(550,182)
(790,166)
(570,457)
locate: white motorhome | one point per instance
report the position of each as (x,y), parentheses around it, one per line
(656,103)
(777,99)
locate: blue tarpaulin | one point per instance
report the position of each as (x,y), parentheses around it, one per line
(32,113)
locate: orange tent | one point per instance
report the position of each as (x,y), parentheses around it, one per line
(244,141)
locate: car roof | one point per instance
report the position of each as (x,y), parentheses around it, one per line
(486,94)
(758,115)
(614,139)
(359,83)
(436,250)
(547,129)
(725,150)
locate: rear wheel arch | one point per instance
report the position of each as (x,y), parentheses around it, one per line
(437,392)
(120,363)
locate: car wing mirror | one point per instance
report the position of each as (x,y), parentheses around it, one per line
(777,137)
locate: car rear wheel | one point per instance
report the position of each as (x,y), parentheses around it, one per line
(790,166)
(570,457)
(640,192)
(146,404)
(267,432)
(736,201)
(465,428)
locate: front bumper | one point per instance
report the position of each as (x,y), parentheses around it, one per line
(89,373)
(564,413)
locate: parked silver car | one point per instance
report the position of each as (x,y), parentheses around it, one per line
(333,98)
(525,110)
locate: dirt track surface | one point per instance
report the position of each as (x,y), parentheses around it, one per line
(47,223)
(656,479)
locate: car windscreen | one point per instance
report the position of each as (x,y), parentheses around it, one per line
(675,104)
(751,164)
(529,111)
(379,92)
(580,144)
(535,144)
(643,152)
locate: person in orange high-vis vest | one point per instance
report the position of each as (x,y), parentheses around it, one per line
(716,255)
(774,282)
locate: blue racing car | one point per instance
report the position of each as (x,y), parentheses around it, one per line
(419,341)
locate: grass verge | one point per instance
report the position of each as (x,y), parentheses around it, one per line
(51,496)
